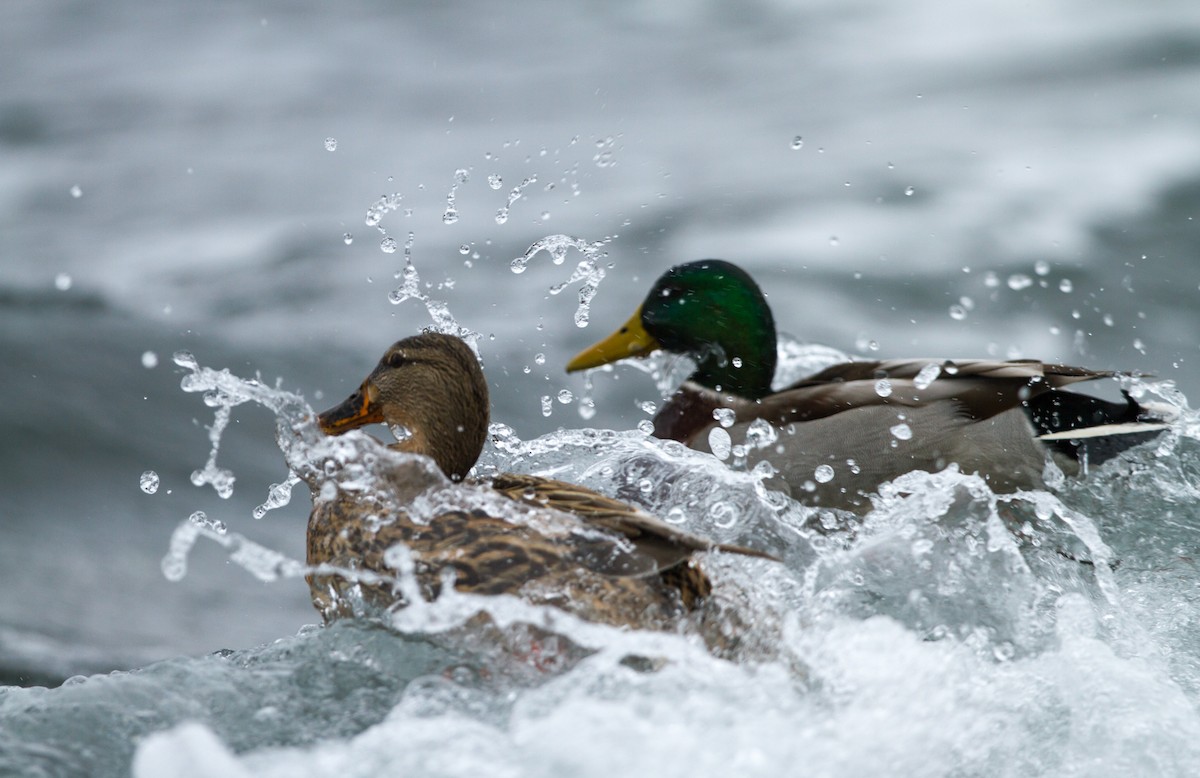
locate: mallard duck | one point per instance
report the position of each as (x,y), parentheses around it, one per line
(589,555)
(852,426)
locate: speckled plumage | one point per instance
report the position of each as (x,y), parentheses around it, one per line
(609,563)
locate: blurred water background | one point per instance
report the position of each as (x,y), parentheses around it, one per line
(922,178)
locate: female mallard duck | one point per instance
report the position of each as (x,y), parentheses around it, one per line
(853,426)
(597,558)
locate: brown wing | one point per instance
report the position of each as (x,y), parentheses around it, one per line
(664,544)
(982,388)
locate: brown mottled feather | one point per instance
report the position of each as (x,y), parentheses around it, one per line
(616,565)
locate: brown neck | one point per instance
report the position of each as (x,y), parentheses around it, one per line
(686,414)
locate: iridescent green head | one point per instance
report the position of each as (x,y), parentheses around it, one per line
(710,310)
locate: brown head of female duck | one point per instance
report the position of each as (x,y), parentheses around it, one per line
(600,559)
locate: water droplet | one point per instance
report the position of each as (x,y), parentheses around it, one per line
(518,265)
(737,361)
(149,360)
(823,474)
(565,396)
(587,408)
(1019,281)
(149,482)
(902,431)
(645,486)
(464,249)
(331,144)
(908,191)
(927,376)
(495,181)
(833,240)
(957,312)
(501,216)
(1065,286)
(547,405)
(450,216)
(883,387)
(76,192)
(347,238)
(62,282)
(648,408)
(646,427)
(539,358)
(200,519)
(1041,267)
(724,416)
(388,245)
(797,143)
(760,434)
(545,215)
(720,443)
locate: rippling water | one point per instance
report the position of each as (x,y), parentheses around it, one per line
(919,179)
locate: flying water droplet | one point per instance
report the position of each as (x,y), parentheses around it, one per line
(62,282)
(720,443)
(547,405)
(797,143)
(883,387)
(347,238)
(909,190)
(1065,286)
(649,408)
(388,245)
(761,434)
(539,358)
(646,427)
(201,520)
(495,181)
(149,360)
(725,416)
(565,396)
(331,144)
(464,249)
(149,482)
(1019,281)
(902,432)
(823,474)
(450,216)
(927,376)
(957,312)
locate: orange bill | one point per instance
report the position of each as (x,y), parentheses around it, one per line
(358,410)
(631,340)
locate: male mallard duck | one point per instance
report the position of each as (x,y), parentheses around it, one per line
(597,558)
(853,426)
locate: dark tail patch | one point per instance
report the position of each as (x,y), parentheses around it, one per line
(1058,411)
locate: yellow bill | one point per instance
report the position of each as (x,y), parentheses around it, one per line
(631,340)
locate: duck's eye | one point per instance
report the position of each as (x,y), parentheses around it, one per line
(396,359)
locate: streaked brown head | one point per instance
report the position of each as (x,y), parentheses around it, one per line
(430,385)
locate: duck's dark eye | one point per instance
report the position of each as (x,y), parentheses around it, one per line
(395,359)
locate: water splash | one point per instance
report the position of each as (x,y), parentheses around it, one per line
(589,270)
(381,207)
(514,195)
(450,215)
